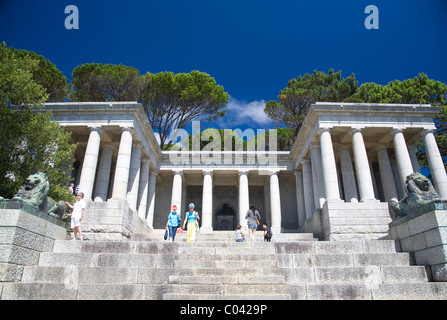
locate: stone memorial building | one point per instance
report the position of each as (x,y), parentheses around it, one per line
(347,162)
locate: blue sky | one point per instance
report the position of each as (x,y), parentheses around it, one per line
(252,48)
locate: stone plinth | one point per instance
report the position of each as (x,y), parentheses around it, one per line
(350,220)
(425,236)
(111,220)
(23,236)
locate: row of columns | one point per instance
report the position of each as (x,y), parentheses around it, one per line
(133,180)
(326,187)
(244,203)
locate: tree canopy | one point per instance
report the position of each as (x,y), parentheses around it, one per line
(29,141)
(420,90)
(104,82)
(172,101)
(43,73)
(300,93)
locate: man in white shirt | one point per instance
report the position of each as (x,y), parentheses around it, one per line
(78,214)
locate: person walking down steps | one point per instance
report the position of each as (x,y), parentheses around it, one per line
(173,222)
(192,217)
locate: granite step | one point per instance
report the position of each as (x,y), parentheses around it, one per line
(157,235)
(386,291)
(156,247)
(223,269)
(235,279)
(223,260)
(326,275)
(233,297)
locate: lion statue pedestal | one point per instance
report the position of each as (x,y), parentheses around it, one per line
(30,223)
(419,221)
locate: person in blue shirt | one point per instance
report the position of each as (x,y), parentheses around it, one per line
(192,217)
(173,222)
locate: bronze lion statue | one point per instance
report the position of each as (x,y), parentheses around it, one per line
(420,194)
(34,191)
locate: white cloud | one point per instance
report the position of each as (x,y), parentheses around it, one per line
(241,113)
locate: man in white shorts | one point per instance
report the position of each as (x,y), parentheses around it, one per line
(78,214)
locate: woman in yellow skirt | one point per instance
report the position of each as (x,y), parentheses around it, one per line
(192,217)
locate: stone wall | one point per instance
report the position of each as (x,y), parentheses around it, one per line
(22,237)
(425,237)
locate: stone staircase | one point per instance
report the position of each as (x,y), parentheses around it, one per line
(294,266)
(225,236)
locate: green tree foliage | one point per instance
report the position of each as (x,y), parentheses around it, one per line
(285,139)
(30,142)
(48,76)
(172,101)
(234,142)
(104,82)
(300,93)
(206,137)
(370,92)
(43,73)
(420,90)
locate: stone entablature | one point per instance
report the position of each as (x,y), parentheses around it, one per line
(357,154)
(111,118)
(223,160)
(377,120)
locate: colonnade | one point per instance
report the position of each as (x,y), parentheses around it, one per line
(356,183)
(133,179)
(243,198)
(135,182)
(317,179)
